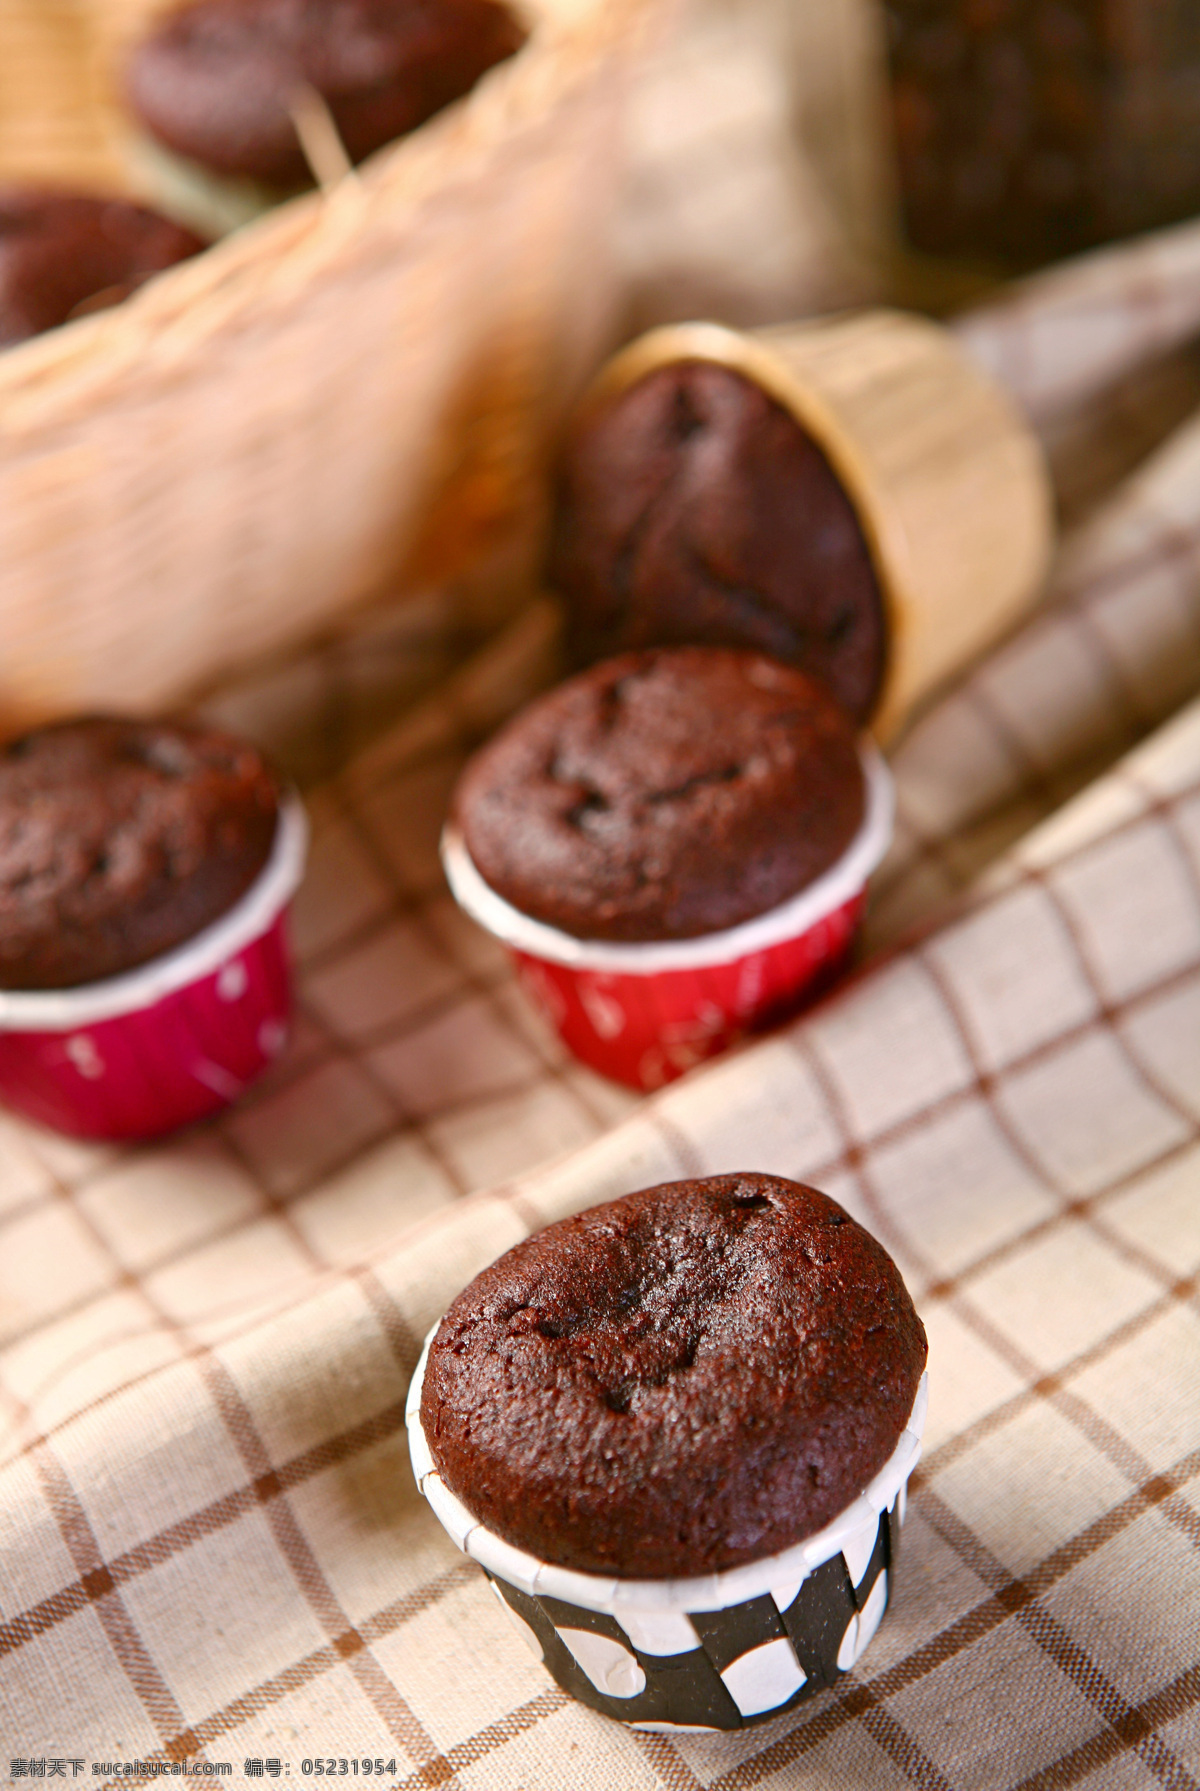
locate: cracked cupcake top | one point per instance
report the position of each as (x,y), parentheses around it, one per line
(663,795)
(691,507)
(120,840)
(675,1383)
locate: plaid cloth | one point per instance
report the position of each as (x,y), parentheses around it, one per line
(211,1546)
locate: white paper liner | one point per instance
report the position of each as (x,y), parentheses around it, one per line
(61,1010)
(790,920)
(707,1592)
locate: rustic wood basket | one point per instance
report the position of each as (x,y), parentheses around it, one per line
(349,397)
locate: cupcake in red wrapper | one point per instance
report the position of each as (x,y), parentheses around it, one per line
(145,872)
(676,1432)
(674,846)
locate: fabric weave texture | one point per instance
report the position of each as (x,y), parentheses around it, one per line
(210,1542)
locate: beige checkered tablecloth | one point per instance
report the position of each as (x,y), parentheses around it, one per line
(211,1546)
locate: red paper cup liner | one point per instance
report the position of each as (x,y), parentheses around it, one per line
(175,1039)
(644,1014)
(721,1651)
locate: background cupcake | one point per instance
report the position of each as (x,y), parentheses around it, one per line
(852,494)
(144,869)
(675,844)
(64,253)
(692,507)
(217,80)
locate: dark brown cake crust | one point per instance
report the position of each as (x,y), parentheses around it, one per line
(663,795)
(120,840)
(679,1382)
(216,78)
(59,250)
(692,507)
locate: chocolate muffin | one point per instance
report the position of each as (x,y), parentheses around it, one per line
(663,795)
(58,251)
(120,840)
(676,1383)
(691,507)
(215,79)
(1026,133)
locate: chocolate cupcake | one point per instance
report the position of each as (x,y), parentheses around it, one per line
(216,79)
(145,875)
(692,507)
(121,839)
(675,1383)
(64,253)
(674,848)
(852,495)
(676,1430)
(663,795)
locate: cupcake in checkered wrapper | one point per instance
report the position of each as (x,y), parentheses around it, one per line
(676,1432)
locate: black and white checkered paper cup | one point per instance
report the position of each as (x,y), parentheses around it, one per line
(717,1652)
